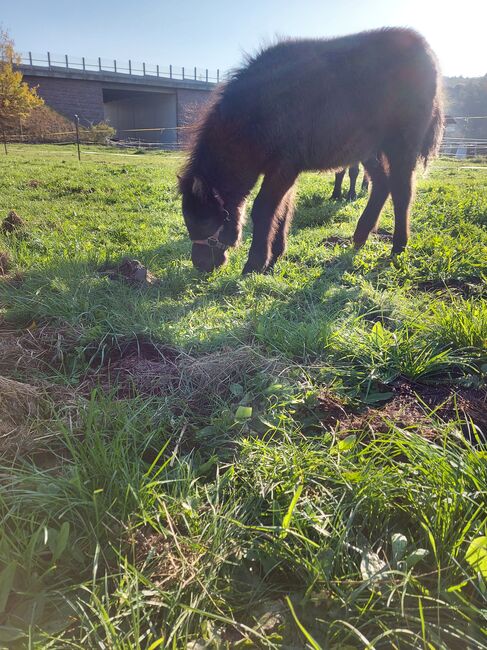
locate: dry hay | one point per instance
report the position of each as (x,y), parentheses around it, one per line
(22,406)
(135,366)
(38,348)
(138,367)
(26,407)
(212,375)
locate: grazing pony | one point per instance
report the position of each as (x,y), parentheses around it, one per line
(311,104)
(353,173)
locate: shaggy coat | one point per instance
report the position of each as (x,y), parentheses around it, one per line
(311,104)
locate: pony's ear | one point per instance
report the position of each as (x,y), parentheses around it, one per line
(198,188)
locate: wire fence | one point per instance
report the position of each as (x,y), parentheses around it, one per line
(128,67)
(458,147)
(165,138)
(176,138)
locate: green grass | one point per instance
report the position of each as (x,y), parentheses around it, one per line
(229,510)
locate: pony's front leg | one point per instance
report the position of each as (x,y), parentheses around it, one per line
(265,220)
(284,216)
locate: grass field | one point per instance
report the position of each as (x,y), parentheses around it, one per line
(285,461)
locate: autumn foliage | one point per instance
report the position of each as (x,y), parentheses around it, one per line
(17,99)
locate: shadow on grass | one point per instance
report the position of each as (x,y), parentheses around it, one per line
(186,310)
(314,210)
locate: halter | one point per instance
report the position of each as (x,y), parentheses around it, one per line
(213,241)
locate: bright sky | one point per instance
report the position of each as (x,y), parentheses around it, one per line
(215,33)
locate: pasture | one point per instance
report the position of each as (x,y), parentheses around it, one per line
(292,460)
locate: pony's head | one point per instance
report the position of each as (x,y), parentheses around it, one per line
(210,226)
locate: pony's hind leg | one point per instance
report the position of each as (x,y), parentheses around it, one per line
(337,188)
(401,181)
(378,195)
(353,175)
(265,217)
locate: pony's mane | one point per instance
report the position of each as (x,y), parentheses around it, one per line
(197,132)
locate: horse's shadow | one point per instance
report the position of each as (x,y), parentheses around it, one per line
(313,211)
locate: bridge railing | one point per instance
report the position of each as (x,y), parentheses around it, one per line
(127,67)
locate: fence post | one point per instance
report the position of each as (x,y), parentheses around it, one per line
(30,58)
(66,57)
(130,66)
(218,76)
(115,65)
(48,59)
(157,68)
(99,64)
(170,72)
(183,72)
(143,69)
(84,65)
(76,117)
(195,73)
(206,75)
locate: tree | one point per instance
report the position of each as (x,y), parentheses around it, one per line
(467,97)
(17,99)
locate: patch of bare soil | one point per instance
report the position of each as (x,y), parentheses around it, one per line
(450,403)
(131,367)
(140,367)
(468,287)
(130,271)
(167,558)
(33,183)
(336,239)
(382,234)
(413,406)
(12,222)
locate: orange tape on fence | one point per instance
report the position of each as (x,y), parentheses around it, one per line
(39,135)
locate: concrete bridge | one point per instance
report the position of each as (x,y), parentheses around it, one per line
(133,98)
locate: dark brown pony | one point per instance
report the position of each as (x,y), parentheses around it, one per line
(311,105)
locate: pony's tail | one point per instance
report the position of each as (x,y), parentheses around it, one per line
(434,134)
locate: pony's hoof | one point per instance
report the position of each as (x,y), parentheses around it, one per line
(249,268)
(253,267)
(397,250)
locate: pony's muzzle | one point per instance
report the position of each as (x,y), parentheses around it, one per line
(206,258)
